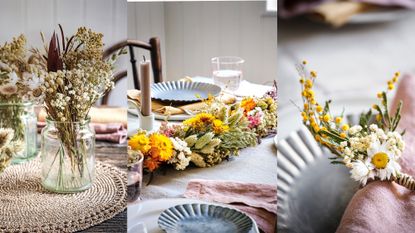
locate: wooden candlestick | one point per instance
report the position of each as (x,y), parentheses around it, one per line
(145,88)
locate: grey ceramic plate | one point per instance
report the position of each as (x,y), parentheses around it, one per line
(312,193)
(183,92)
(203,218)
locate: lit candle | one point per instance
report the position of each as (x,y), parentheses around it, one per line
(145,87)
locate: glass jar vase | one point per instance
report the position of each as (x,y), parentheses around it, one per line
(67,156)
(22,119)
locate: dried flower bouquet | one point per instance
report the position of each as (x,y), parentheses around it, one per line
(371,149)
(76,77)
(7,147)
(20,83)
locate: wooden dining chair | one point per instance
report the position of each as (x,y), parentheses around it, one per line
(153,46)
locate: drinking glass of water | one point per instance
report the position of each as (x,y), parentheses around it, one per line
(135,177)
(227,72)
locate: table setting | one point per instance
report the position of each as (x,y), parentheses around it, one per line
(191,159)
(62,163)
(366,154)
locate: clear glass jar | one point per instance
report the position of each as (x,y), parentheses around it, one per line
(67,156)
(22,119)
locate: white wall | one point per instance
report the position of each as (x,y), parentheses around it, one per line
(146,20)
(32,16)
(192,33)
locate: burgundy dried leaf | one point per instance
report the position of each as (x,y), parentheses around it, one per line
(54,60)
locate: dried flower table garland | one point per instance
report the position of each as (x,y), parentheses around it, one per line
(370,149)
(209,137)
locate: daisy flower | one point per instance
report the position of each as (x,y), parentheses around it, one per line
(382,159)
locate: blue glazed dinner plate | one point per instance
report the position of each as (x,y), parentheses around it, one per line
(202,218)
(183,92)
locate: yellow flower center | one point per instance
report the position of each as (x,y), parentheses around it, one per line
(380,160)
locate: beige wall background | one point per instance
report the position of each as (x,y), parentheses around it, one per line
(191,33)
(32,16)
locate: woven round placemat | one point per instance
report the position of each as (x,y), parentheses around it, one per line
(25,206)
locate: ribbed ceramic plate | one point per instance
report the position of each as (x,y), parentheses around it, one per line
(183,92)
(312,193)
(203,218)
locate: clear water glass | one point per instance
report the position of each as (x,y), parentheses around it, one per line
(227,72)
(135,178)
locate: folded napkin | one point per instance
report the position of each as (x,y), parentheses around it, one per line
(257,200)
(111,132)
(102,115)
(410,4)
(385,207)
(166,109)
(338,13)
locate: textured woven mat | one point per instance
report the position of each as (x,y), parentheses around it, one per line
(26,207)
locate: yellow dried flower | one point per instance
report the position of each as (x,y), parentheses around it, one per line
(379,95)
(161,147)
(378,117)
(326,118)
(219,127)
(345,127)
(139,142)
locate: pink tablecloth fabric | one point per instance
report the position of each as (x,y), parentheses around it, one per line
(257,200)
(111,132)
(385,207)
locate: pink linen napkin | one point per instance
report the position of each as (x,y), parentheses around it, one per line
(385,207)
(257,200)
(111,132)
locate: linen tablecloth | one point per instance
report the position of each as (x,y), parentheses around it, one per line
(253,165)
(385,207)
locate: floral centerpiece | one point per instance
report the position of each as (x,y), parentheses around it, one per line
(19,89)
(75,77)
(218,132)
(372,148)
(8,147)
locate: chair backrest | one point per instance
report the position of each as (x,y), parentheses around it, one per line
(153,46)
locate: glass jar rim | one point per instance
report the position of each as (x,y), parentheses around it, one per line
(235,60)
(141,157)
(86,121)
